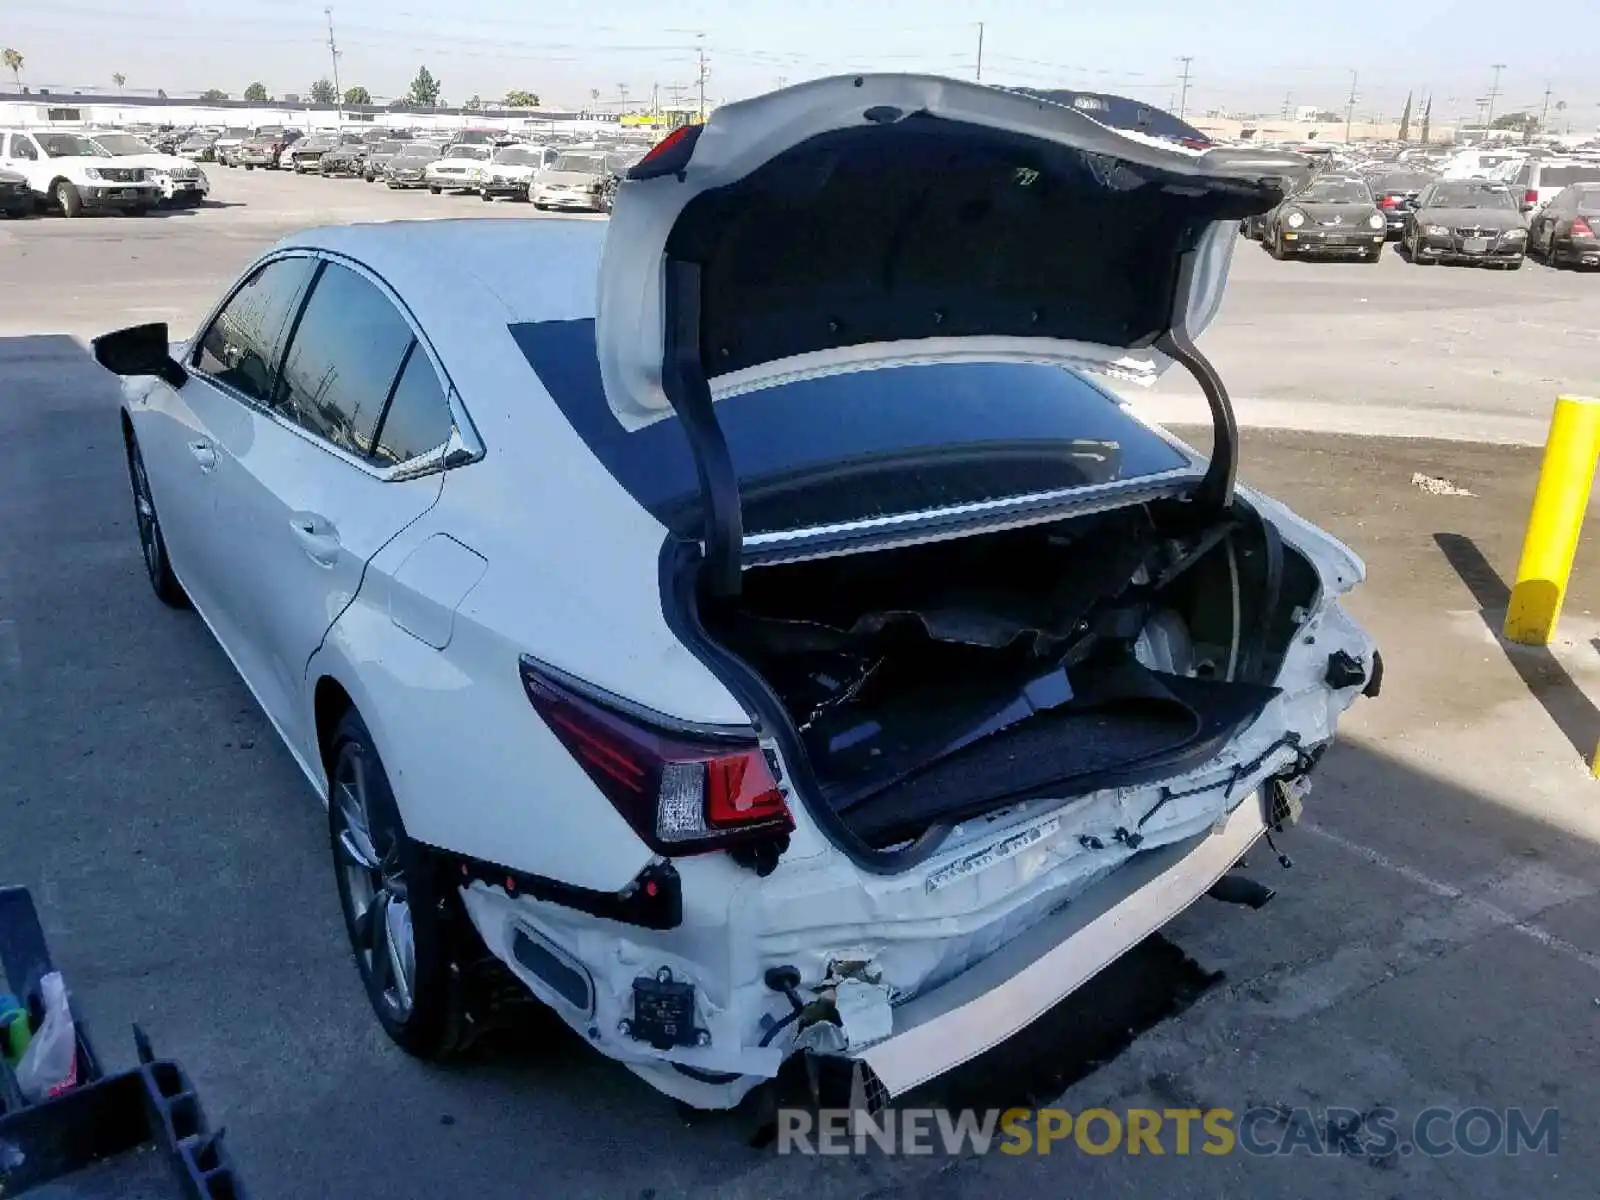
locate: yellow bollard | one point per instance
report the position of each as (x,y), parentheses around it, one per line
(1553,525)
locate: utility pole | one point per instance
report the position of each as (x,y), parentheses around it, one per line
(700,75)
(980,51)
(783,82)
(622,108)
(1183,85)
(1350,108)
(1544,113)
(1494,92)
(1288,104)
(655,103)
(333,53)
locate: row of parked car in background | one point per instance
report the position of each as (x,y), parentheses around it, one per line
(73,172)
(556,172)
(1485,206)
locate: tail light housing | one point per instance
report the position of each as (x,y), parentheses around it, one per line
(1580,228)
(683,792)
(1530,198)
(1389,202)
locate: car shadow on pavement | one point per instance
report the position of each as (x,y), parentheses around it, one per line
(1541,672)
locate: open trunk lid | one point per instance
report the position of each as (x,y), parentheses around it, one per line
(886,219)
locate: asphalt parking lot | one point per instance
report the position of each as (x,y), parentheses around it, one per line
(1436,943)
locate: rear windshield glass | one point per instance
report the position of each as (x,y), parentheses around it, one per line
(863,444)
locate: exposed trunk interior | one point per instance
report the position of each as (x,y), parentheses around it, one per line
(933,683)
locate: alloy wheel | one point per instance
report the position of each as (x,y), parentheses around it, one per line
(378,905)
(144,512)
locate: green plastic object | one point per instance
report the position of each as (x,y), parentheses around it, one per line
(14,1031)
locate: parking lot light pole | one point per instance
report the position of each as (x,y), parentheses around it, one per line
(1551,541)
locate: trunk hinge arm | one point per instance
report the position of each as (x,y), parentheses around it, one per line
(683,379)
(1216,488)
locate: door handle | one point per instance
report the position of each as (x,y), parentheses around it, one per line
(204,455)
(317,537)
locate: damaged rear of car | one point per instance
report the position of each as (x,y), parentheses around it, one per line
(1025,676)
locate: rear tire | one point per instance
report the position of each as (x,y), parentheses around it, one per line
(68,199)
(434,190)
(152,544)
(398,908)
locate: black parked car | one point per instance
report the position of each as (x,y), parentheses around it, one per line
(1466,221)
(1396,193)
(1564,231)
(1332,215)
(16,197)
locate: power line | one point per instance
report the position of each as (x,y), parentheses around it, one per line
(1183,84)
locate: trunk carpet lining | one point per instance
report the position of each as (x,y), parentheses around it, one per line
(1126,727)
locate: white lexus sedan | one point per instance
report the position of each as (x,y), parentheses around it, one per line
(744,627)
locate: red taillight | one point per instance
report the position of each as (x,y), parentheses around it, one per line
(1530,197)
(1580,228)
(681,794)
(1389,202)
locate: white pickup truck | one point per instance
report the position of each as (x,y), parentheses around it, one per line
(71,173)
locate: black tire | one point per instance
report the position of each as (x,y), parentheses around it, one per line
(249,166)
(1274,247)
(434,190)
(1375,256)
(152,544)
(408,890)
(67,199)
(1515,266)
(484,195)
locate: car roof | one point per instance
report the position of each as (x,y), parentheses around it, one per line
(451,272)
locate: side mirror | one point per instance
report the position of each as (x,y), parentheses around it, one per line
(139,350)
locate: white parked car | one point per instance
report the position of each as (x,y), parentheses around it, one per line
(746,624)
(510,173)
(462,169)
(73,175)
(576,180)
(181,182)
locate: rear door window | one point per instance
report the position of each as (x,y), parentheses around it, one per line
(348,349)
(243,344)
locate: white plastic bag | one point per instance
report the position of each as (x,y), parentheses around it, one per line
(49,1066)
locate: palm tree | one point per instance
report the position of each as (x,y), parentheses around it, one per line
(13,61)
(119,79)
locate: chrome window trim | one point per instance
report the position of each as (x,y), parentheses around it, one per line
(464,445)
